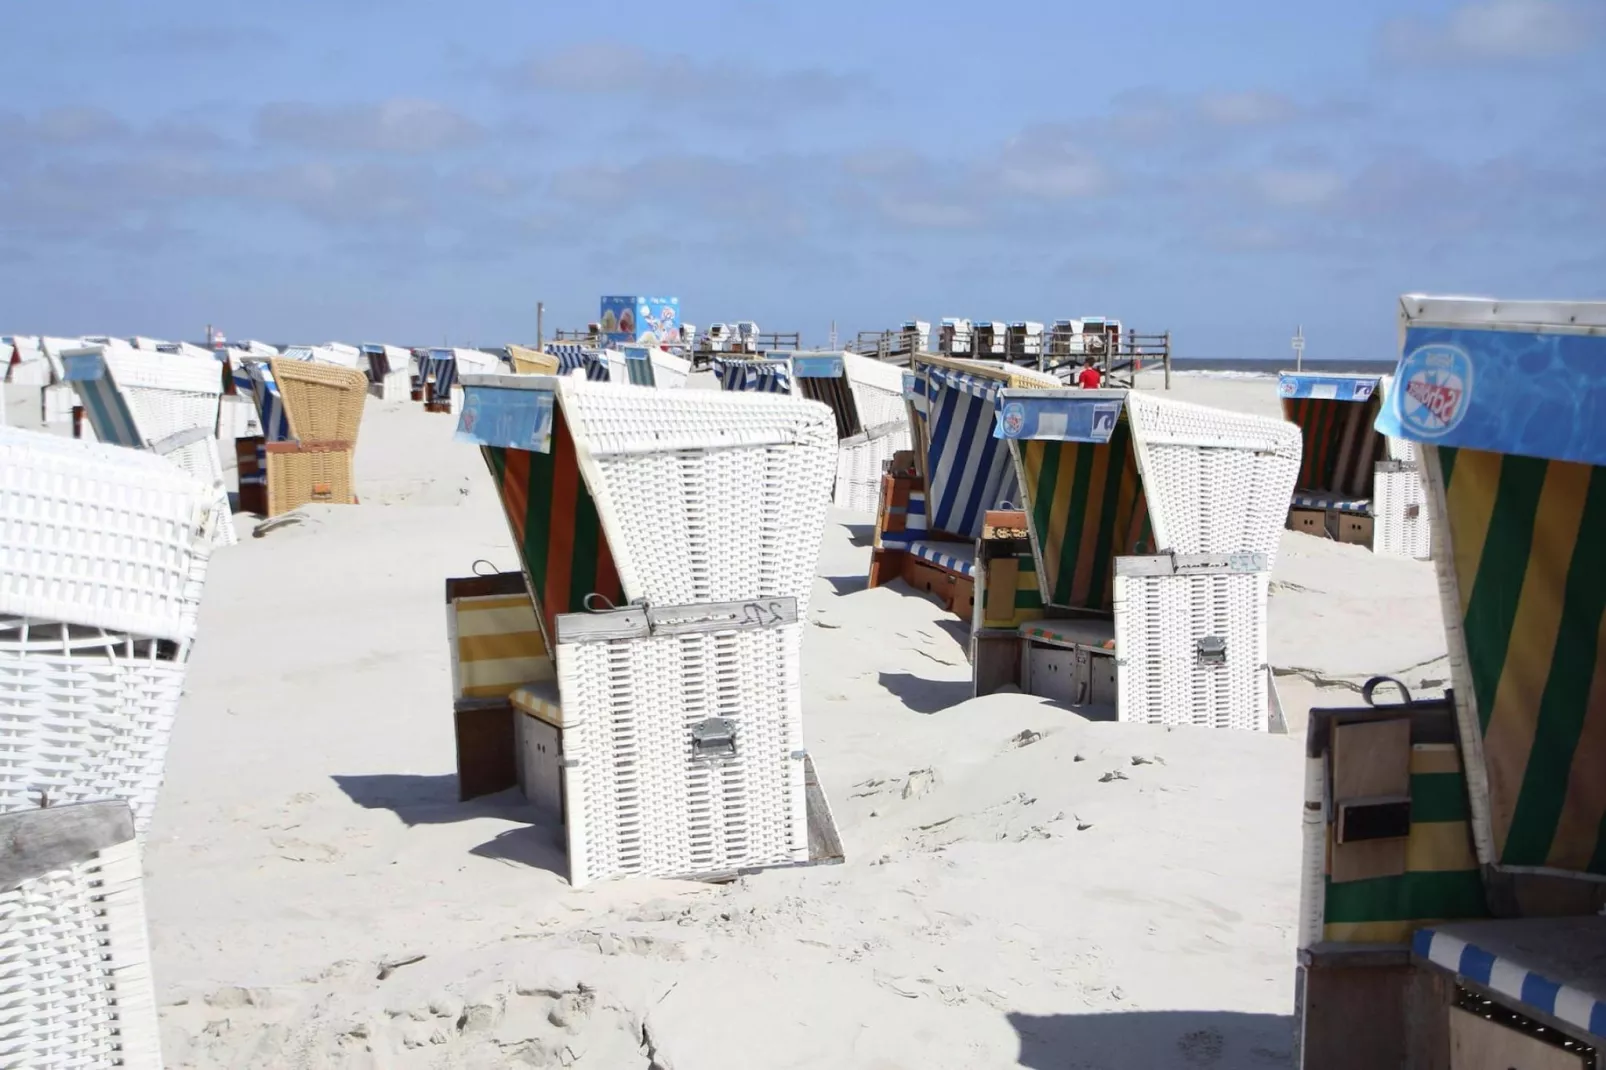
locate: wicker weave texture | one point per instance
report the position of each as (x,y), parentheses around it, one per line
(100,535)
(1158,623)
(1216,481)
(532,361)
(324,402)
(1393,531)
(707,496)
(639,802)
(84,715)
(75,984)
(859,468)
(312,475)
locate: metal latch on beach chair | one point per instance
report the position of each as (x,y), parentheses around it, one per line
(179,440)
(1211,650)
(713,738)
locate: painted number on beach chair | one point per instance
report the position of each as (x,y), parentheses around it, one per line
(763,614)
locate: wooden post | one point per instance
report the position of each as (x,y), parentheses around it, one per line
(77,421)
(1168,360)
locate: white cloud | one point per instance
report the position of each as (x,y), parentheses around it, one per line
(407,126)
(1495,30)
(1300,188)
(1252,108)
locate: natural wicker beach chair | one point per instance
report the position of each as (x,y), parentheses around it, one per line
(527,361)
(1152,527)
(311,413)
(1355,484)
(166,403)
(669,539)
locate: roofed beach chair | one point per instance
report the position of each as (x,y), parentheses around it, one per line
(446,367)
(166,403)
(389,369)
(763,374)
(934,499)
(1455,845)
(310,414)
(669,539)
(1355,484)
(1151,527)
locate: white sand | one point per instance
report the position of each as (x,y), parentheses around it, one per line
(1025,909)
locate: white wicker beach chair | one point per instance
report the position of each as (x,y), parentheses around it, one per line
(103,555)
(163,402)
(76,991)
(670,539)
(1153,526)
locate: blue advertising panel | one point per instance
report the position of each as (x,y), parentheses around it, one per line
(1331,387)
(644,320)
(506,418)
(1518,392)
(1058,417)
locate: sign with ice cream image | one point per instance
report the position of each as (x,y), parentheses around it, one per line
(640,320)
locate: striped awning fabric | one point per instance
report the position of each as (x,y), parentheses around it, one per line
(968,470)
(104,403)
(1086,505)
(1523,554)
(1502,956)
(759,376)
(443,375)
(1305,500)
(270,405)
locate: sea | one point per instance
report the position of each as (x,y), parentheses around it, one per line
(1248,366)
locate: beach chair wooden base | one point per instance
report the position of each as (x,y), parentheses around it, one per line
(299,475)
(252,473)
(438,406)
(484,729)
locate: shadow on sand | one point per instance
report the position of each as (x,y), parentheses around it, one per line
(845,585)
(1155,1040)
(432,800)
(925,696)
(860,535)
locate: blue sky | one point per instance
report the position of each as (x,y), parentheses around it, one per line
(410,171)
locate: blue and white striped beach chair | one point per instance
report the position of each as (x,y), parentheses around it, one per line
(762,375)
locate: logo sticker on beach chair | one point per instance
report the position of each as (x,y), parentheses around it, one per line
(1063,419)
(1436,384)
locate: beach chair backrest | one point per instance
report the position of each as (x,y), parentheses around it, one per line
(823,377)
(1115,473)
(967,471)
(105,405)
(442,375)
(1335,415)
(270,403)
(765,375)
(322,402)
(527,361)
(1505,402)
(675,497)
(638,366)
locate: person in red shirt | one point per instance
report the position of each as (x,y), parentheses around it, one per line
(1089,378)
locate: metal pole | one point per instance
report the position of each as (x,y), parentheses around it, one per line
(540,317)
(1168,360)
